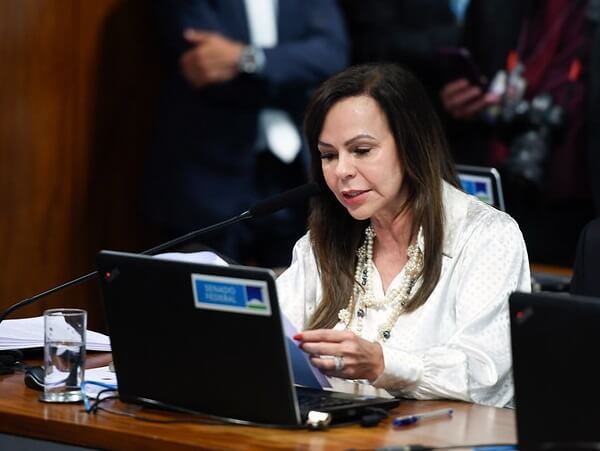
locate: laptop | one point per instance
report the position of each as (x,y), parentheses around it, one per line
(555,343)
(209,339)
(483,183)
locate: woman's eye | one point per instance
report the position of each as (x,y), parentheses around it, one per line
(362,150)
(327,156)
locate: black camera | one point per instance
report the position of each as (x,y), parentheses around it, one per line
(531,128)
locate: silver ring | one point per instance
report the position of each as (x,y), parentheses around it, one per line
(339,362)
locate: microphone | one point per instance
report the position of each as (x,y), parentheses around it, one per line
(262,208)
(283,200)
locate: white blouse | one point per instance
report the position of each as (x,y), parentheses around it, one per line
(457,344)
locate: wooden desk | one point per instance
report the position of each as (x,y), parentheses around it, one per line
(551,269)
(22,414)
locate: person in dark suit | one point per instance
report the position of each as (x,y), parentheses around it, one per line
(213,155)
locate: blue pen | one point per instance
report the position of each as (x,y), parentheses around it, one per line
(412,419)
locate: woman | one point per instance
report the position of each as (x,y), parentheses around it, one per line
(402,280)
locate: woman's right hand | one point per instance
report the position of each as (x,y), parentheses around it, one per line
(464,100)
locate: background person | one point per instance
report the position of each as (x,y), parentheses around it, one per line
(538,53)
(237,78)
(403,279)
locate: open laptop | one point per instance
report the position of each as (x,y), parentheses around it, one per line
(208,339)
(483,183)
(555,346)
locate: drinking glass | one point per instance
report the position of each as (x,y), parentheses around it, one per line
(64,354)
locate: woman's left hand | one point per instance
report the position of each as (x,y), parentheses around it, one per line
(341,353)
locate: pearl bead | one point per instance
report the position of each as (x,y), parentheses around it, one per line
(396,299)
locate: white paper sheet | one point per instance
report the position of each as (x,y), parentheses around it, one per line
(304,373)
(104,375)
(29,333)
(206,257)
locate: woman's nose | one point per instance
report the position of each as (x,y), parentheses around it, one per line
(345,167)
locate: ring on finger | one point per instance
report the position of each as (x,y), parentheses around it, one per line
(339,362)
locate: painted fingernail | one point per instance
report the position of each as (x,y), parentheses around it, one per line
(298,337)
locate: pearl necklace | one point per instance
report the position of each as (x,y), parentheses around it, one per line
(362,294)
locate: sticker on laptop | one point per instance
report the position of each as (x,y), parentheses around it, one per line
(230,294)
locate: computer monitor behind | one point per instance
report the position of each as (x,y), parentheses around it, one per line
(483,183)
(555,340)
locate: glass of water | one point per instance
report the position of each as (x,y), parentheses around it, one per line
(64,354)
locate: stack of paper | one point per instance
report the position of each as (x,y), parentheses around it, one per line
(29,333)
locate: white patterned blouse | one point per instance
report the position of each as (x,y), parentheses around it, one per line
(457,344)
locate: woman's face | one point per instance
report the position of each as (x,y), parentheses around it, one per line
(359,159)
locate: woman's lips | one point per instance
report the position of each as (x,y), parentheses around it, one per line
(354,197)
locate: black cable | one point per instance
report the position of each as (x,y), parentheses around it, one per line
(96,405)
(99,399)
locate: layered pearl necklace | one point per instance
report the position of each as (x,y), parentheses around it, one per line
(363,296)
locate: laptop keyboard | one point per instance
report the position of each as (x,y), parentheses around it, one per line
(343,407)
(311,400)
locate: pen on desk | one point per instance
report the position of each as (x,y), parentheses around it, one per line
(412,419)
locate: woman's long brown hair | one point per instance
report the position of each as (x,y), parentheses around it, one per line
(423,152)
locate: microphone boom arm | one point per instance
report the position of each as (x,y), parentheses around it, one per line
(152,251)
(263,208)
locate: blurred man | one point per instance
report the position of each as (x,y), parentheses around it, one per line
(238,76)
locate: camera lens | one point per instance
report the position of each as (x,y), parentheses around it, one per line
(526,159)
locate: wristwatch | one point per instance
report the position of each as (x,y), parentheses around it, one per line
(252,60)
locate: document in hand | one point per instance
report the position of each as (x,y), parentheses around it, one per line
(29,333)
(304,373)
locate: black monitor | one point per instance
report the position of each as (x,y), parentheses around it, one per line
(555,341)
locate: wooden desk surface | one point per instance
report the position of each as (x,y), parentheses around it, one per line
(22,414)
(551,269)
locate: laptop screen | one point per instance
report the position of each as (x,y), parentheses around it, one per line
(483,183)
